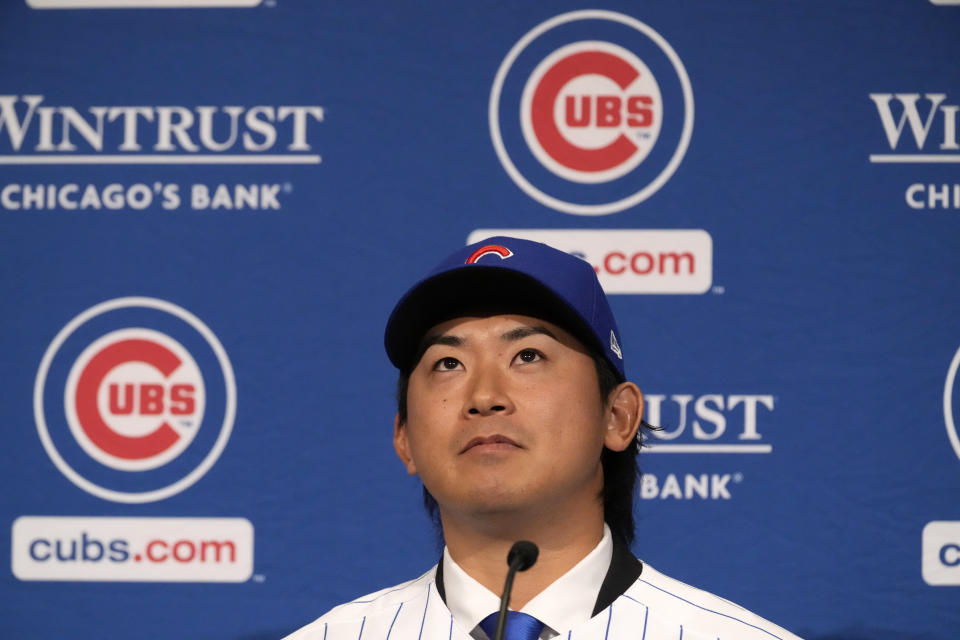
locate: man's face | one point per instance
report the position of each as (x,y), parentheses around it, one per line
(504,415)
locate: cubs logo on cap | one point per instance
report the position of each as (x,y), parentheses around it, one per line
(489,249)
(506,275)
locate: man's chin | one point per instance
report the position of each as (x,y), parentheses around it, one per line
(494,504)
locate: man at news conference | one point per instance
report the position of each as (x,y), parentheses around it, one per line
(515,411)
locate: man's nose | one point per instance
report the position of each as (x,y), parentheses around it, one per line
(488,395)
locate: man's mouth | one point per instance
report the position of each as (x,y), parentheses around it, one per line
(490,442)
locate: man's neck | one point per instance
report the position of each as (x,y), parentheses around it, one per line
(481,551)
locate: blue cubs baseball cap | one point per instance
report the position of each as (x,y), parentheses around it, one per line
(503,275)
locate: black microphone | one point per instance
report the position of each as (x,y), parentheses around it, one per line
(523,555)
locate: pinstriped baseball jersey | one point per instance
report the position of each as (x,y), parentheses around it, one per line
(654,607)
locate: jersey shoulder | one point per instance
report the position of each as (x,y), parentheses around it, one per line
(368,609)
(669,602)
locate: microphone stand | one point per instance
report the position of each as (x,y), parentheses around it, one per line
(523,555)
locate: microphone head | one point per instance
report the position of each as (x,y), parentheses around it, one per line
(523,554)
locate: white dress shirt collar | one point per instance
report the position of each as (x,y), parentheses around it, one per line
(566,603)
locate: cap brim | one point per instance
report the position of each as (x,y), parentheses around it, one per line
(466,292)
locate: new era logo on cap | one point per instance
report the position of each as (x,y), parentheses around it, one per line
(614,345)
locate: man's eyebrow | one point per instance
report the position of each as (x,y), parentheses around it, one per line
(444,339)
(522,332)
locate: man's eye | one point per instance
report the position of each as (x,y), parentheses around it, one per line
(446,364)
(528,355)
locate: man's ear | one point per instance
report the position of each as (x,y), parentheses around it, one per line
(624,412)
(401,444)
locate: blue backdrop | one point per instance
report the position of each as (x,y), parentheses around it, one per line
(798,341)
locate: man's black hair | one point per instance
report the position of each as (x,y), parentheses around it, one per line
(620,470)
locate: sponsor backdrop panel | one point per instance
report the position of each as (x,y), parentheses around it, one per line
(207,212)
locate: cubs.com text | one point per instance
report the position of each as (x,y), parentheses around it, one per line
(132,549)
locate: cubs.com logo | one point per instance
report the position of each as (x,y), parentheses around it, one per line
(605,112)
(134,400)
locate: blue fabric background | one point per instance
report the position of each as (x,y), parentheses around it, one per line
(838,299)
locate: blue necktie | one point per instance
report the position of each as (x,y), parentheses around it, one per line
(520,626)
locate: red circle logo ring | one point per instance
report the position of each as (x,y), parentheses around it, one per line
(134,399)
(591,112)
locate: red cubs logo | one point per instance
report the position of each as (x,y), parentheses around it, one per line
(605,110)
(591,111)
(489,249)
(134,399)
